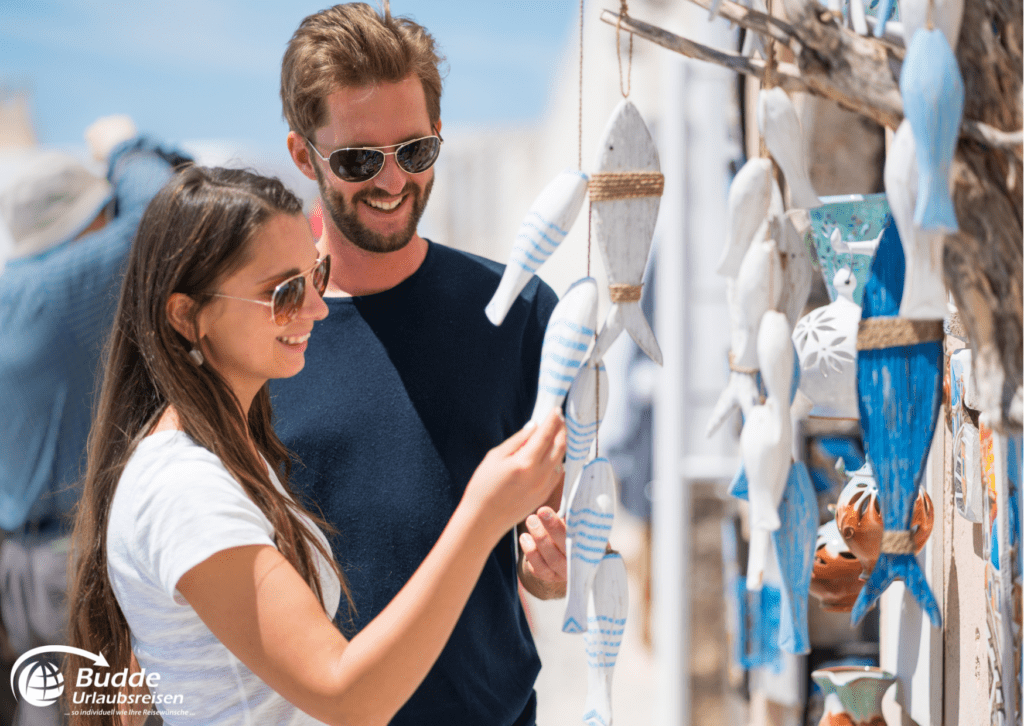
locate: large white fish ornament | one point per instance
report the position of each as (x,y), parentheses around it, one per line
(588,524)
(924,290)
(780,127)
(584,411)
(767,440)
(545,226)
(607,610)
(933,103)
(624,227)
(566,341)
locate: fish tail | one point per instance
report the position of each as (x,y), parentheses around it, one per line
(888,569)
(934,209)
(640,331)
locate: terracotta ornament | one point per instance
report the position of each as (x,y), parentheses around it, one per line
(835,580)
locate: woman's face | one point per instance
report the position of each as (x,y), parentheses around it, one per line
(238,337)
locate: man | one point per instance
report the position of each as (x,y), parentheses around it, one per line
(70,232)
(407,385)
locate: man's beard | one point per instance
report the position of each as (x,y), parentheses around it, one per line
(346,220)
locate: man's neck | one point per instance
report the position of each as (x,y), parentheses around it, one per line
(355,271)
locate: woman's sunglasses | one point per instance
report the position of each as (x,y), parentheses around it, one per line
(364,163)
(288,297)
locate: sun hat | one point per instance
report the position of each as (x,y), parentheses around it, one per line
(48,199)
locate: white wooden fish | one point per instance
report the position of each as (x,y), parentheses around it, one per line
(624,228)
(933,103)
(749,195)
(758,289)
(566,341)
(797,272)
(589,392)
(924,290)
(766,441)
(947,16)
(545,226)
(607,610)
(780,127)
(826,344)
(588,524)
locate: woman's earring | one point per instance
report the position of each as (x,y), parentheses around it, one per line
(196,355)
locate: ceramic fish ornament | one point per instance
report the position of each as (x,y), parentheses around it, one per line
(545,226)
(607,609)
(900,389)
(566,341)
(591,512)
(749,195)
(766,441)
(623,224)
(794,551)
(584,411)
(826,345)
(946,16)
(780,127)
(933,103)
(924,290)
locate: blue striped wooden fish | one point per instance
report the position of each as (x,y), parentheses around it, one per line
(591,512)
(900,391)
(608,608)
(589,391)
(933,103)
(545,226)
(567,339)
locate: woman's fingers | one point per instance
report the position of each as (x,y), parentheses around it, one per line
(539,445)
(513,443)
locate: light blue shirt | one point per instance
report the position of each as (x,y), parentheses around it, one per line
(56,310)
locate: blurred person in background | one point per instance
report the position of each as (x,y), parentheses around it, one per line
(69,232)
(409,384)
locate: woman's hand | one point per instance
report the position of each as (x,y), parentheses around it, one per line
(517,476)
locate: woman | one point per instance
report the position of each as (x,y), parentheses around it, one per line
(189,550)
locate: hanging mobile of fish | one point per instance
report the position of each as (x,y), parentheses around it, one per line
(545,226)
(933,102)
(780,127)
(591,512)
(588,393)
(566,341)
(899,381)
(607,609)
(625,193)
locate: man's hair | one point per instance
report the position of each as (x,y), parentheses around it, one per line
(353,45)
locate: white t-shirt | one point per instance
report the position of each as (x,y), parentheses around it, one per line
(175,505)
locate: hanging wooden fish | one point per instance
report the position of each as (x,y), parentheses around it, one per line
(900,389)
(566,341)
(946,16)
(780,127)
(826,345)
(924,290)
(545,226)
(625,193)
(794,550)
(766,441)
(968,492)
(607,610)
(589,392)
(758,289)
(797,271)
(749,195)
(933,103)
(591,512)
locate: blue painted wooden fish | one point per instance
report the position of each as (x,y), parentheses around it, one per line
(591,512)
(606,622)
(900,391)
(933,103)
(570,331)
(545,226)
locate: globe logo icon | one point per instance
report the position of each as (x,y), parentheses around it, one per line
(41,683)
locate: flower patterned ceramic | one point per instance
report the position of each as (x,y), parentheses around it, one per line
(860,218)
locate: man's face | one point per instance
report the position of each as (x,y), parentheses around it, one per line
(379,215)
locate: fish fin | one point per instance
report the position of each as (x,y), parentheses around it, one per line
(640,331)
(512,283)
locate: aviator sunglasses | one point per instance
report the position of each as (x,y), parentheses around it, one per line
(364,163)
(288,296)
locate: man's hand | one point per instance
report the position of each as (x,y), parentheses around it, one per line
(542,563)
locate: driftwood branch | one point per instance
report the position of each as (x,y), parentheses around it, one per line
(992,136)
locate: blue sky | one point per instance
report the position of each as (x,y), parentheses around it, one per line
(208,69)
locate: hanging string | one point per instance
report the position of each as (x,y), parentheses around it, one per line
(597,409)
(624,13)
(579,157)
(590,217)
(929,18)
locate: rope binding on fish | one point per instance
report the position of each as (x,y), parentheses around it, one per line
(606,186)
(880,333)
(741,369)
(623,293)
(899,542)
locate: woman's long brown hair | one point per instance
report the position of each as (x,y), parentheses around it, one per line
(196,231)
